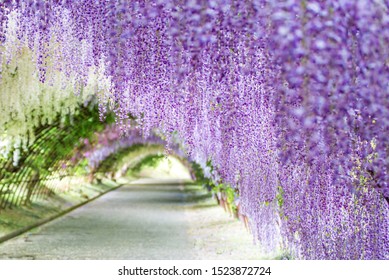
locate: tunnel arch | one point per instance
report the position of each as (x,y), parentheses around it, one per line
(81,148)
(292,117)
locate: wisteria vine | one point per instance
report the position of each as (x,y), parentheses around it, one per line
(289,100)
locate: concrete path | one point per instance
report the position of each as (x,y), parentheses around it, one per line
(146,220)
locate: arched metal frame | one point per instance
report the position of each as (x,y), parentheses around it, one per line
(39,167)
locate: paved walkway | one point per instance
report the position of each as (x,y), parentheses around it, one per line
(139,221)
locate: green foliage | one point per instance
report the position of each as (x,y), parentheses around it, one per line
(225,190)
(199,174)
(280,196)
(148,161)
(113,161)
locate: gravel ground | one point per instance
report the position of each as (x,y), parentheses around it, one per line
(149,219)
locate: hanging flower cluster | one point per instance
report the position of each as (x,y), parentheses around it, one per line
(287,99)
(38,85)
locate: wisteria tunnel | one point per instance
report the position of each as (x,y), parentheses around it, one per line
(279,110)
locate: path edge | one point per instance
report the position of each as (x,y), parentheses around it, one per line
(20,231)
